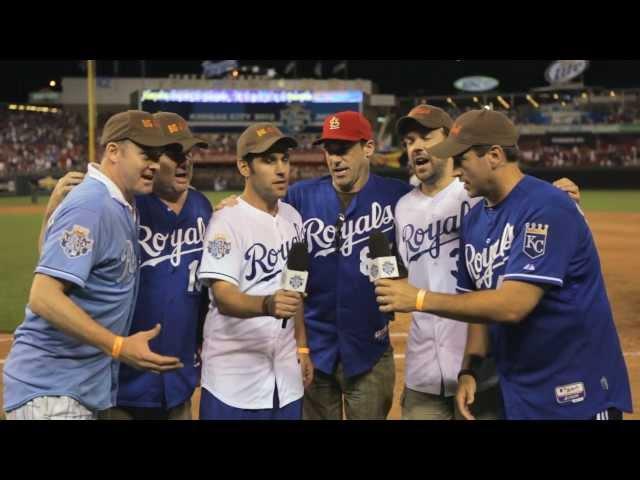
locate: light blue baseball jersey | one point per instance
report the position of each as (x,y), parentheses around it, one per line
(91,243)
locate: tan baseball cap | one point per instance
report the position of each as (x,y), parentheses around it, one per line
(261,137)
(175,127)
(477,127)
(425,115)
(135,125)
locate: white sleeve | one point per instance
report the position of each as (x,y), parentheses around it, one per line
(222,253)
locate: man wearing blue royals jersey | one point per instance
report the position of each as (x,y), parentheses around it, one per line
(348,336)
(173,220)
(531,271)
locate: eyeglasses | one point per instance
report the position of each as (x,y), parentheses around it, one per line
(177,156)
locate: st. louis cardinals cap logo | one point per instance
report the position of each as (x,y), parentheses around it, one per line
(535,239)
(76,242)
(219,247)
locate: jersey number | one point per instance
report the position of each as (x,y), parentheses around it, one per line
(193,282)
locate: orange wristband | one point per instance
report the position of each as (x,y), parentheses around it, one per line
(117,346)
(304,350)
(420,299)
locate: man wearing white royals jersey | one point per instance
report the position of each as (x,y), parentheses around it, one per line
(531,271)
(253,366)
(427,229)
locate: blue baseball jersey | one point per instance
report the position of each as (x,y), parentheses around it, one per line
(90,242)
(341,314)
(171,247)
(564,360)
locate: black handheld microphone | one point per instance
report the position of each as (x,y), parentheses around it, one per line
(383,262)
(295,275)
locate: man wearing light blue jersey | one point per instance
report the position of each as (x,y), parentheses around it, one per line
(82,295)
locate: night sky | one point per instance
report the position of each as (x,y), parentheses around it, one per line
(400,77)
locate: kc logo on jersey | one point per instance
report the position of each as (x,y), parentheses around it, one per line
(76,242)
(535,239)
(219,247)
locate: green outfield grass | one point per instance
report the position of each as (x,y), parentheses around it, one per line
(18,249)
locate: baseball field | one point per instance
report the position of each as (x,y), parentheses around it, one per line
(614,217)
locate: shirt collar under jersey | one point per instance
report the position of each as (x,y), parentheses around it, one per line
(95,173)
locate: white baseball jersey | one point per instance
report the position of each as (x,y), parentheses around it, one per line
(244,358)
(427,230)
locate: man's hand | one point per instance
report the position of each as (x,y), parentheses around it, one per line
(306,366)
(135,352)
(465,395)
(229,201)
(568,186)
(64,186)
(284,304)
(396,295)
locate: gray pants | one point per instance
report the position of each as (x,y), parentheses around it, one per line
(52,408)
(364,397)
(425,406)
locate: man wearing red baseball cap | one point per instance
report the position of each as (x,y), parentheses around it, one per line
(347,335)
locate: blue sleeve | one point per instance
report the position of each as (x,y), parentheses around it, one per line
(542,249)
(71,247)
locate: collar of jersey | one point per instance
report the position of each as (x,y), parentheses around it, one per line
(251,207)
(114,191)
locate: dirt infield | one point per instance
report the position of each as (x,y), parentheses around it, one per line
(21,209)
(616,235)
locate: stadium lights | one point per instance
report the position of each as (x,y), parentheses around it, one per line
(52,83)
(503,102)
(451,102)
(532,101)
(584,95)
(612,93)
(235,74)
(13,107)
(475,99)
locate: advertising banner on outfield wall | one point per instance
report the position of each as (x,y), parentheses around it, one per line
(233,110)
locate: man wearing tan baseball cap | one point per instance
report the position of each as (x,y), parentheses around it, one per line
(529,283)
(174,210)
(435,346)
(254,367)
(76,329)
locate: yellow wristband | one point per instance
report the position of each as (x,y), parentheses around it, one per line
(420,299)
(304,350)
(117,346)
